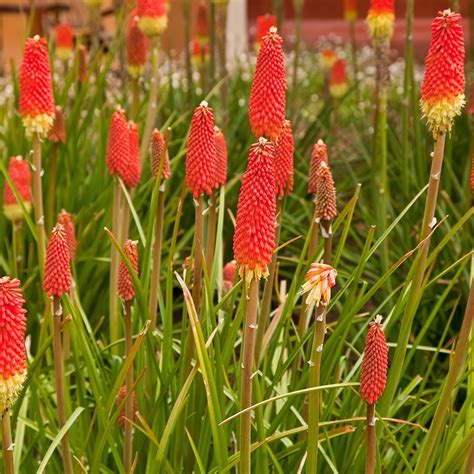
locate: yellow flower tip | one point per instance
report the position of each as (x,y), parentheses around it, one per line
(135,71)
(247,274)
(10,389)
(153,26)
(338,90)
(319,281)
(380,24)
(14,213)
(93,3)
(440,114)
(63,53)
(39,124)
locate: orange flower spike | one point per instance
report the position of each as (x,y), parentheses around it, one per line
(350,10)
(153,18)
(374,363)
(338,81)
(327,58)
(57,133)
(36,88)
(137,47)
(442,90)
(381,19)
(264,23)
(326,198)
(65,219)
(221,158)
(20,174)
(318,155)
(268,94)
(118,147)
(125,284)
(64,41)
(319,281)
(284,150)
(254,236)
(157,146)
(130,173)
(201,152)
(12,337)
(57,271)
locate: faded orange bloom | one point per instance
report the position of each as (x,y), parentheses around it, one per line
(319,281)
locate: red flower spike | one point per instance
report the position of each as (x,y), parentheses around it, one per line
(82,51)
(57,133)
(153,18)
(338,82)
(157,146)
(442,90)
(120,397)
(118,147)
(20,174)
(201,152)
(64,41)
(254,236)
(350,10)
(12,337)
(318,155)
(381,19)
(284,150)
(130,173)
(125,285)
(267,96)
(137,47)
(326,197)
(264,23)
(199,53)
(36,88)
(57,270)
(374,363)
(202,24)
(221,158)
(65,219)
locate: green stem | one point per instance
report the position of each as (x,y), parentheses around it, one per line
(198,248)
(128,428)
(16,248)
(7,444)
(211,233)
(38,202)
(371,442)
(135,99)
(51,192)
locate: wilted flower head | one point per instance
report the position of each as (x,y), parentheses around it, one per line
(318,155)
(338,81)
(327,58)
(64,41)
(221,158)
(126,290)
(20,174)
(380,19)
(319,281)
(442,91)
(374,363)
(283,162)
(157,148)
(57,270)
(57,132)
(65,219)
(153,18)
(326,197)
(137,47)
(264,23)
(12,337)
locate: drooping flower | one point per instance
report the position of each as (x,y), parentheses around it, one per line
(221,158)
(57,270)
(82,52)
(126,290)
(268,94)
(318,155)
(202,24)
(264,23)
(65,219)
(130,174)
(57,132)
(120,397)
(199,53)
(326,197)
(350,10)
(319,281)
(36,88)
(153,18)
(338,81)
(201,152)
(327,58)
(381,19)
(20,174)
(254,236)
(118,146)
(12,337)
(284,149)
(64,41)
(157,147)
(374,363)
(137,47)
(442,90)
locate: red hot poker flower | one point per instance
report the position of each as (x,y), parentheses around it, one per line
(20,174)
(118,147)
(130,173)
(221,158)
(36,88)
(12,337)
(264,23)
(202,24)
(64,41)
(157,147)
(153,18)
(327,59)
(326,197)
(57,270)
(318,155)
(57,133)
(284,150)
(350,10)
(267,96)
(254,236)
(201,152)
(125,285)
(319,281)
(137,47)
(380,19)
(338,81)
(442,91)
(65,219)
(374,363)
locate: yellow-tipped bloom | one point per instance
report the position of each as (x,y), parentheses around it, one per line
(319,281)
(381,19)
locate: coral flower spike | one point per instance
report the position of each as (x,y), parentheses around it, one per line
(12,337)
(254,237)
(338,81)
(153,18)
(137,47)
(130,173)
(57,271)
(374,363)
(201,152)
(20,174)
(319,281)
(268,93)
(36,88)
(125,285)
(65,219)
(64,41)
(157,147)
(284,150)
(442,91)
(326,197)
(221,158)
(118,147)
(380,19)
(318,155)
